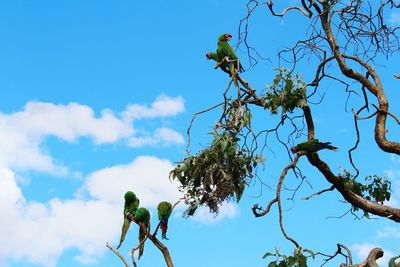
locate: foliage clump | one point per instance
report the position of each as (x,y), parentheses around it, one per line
(376,188)
(216,174)
(286,92)
(298,259)
(222,170)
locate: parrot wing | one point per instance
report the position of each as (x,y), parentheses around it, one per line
(142,215)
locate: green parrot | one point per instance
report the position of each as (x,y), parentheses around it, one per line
(224,50)
(164,211)
(142,215)
(312,146)
(131,205)
(214,56)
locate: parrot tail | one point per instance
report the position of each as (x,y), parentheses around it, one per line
(124,230)
(333,148)
(141,247)
(233,72)
(327,145)
(164,228)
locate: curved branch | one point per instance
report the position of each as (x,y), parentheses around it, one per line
(304,12)
(277,199)
(118,254)
(319,192)
(354,199)
(370,261)
(375,88)
(156,242)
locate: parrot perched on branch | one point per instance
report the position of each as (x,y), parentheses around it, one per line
(143,216)
(213,56)
(131,205)
(312,146)
(164,211)
(226,52)
(223,65)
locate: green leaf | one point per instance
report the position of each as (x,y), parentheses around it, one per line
(223,144)
(289,85)
(312,254)
(272,264)
(366,214)
(268,254)
(392,261)
(302,261)
(291,261)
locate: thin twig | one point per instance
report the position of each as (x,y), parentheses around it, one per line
(191,123)
(118,254)
(319,193)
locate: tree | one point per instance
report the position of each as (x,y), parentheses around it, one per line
(153,238)
(345,38)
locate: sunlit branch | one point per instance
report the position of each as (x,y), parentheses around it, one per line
(118,254)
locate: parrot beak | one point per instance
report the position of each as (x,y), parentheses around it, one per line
(208,56)
(293,149)
(228,37)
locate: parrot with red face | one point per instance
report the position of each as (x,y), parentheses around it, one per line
(213,56)
(225,50)
(313,146)
(223,65)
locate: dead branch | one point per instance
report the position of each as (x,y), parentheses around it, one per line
(118,254)
(277,199)
(355,200)
(156,242)
(192,120)
(388,113)
(370,261)
(320,192)
(304,12)
(348,257)
(355,145)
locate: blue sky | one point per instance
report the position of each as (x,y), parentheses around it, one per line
(95,100)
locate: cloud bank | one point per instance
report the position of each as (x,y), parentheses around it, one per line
(40,232)
(23,133)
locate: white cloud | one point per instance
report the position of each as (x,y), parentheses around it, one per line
(41,232)
(68,122)
(363,249)
(226,211)
(22,134)
(395,159)
(169,135)
(391,232)
(393,174)
(163,106)
(165,136)
(147,176)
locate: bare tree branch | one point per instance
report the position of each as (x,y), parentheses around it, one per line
(319,192)
(118,254)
